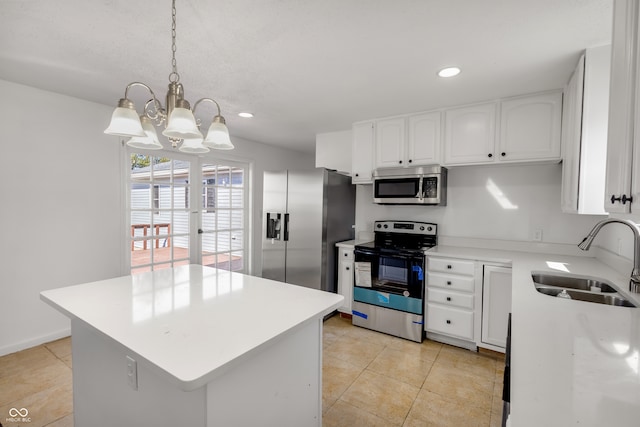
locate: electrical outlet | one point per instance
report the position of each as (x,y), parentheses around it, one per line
(537,235)
(132,373)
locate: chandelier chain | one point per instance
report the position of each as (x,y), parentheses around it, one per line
(174,76)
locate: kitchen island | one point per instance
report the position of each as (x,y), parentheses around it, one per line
(195,346)
(572,362)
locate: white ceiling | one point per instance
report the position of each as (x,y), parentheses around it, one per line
(301,66)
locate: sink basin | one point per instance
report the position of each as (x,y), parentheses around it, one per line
(573,282)
(600,298)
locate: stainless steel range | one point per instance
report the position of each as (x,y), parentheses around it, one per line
(388,292)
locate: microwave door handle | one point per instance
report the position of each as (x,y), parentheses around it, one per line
(420,194)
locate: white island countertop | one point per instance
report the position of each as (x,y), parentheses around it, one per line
(192,323)
(573,363)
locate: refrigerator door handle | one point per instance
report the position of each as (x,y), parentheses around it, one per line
(285,231)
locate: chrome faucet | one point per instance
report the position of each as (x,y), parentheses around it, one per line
(634,283)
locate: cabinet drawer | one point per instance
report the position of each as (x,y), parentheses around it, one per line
(345,254)
(451,281)
(450,298)
(450,321)
(455,266)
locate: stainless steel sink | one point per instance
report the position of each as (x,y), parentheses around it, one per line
(573,282)
(579,288)
(609,299)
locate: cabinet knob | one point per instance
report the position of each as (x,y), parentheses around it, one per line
(357,174)
(347,268)
(449,282)
(400,162)
(489,155)
(503,154)
(449,267)
(410,160)
(448,322)
(448,298)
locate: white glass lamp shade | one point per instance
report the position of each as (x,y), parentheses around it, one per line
(125,121)
(148,142)
(182,125)
(193,146)
(218,135)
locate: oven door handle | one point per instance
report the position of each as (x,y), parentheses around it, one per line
(357,251)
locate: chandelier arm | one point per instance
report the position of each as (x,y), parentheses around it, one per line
(203,100)
(160,114)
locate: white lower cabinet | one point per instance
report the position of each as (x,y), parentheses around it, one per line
(450,321)
(450,302)
(345,276)
(496,305)
(467,302)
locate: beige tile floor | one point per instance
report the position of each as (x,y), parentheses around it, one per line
(369,380)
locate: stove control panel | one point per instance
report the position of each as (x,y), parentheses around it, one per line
(407,227)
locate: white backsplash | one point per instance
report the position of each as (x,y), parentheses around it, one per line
(506,202)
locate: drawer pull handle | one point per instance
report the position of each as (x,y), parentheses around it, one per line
(449,282)
(449,267)
(448,298)
(448,322)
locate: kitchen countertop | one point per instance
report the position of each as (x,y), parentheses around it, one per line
(572,362)
(192,323)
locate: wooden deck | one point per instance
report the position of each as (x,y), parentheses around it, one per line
(162,258)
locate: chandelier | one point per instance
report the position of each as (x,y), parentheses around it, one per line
(177,117)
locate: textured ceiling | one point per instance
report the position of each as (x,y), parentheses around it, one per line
(300,66)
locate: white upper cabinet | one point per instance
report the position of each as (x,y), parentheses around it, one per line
(530,128)
(408,141)
(584,133)
(470,134)
(423,146)
(390,142)
(622,147)
(333,151)
(362,152)
(571,136)
(529,131)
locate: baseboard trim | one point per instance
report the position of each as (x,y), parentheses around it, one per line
(33,342)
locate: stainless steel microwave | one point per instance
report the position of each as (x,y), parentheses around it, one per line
(425,185)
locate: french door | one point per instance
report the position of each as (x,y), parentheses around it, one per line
(185,209)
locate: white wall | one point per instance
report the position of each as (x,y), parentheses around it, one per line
(61,215)
(530,195)
(62,205)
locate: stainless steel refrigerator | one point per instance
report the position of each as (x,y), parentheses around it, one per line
(304,215)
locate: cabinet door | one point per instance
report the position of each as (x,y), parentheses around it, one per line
(496,305)
(621,105)
(390,142)
(345,285)
(470,133)
(423,144)
(530,128)
(362,154)
(571,135)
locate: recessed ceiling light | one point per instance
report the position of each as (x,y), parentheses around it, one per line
(245,115)
(449,72)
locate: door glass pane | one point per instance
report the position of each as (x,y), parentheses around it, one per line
(159,212)
(223,218)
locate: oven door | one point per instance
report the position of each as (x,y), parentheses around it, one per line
(396,279)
